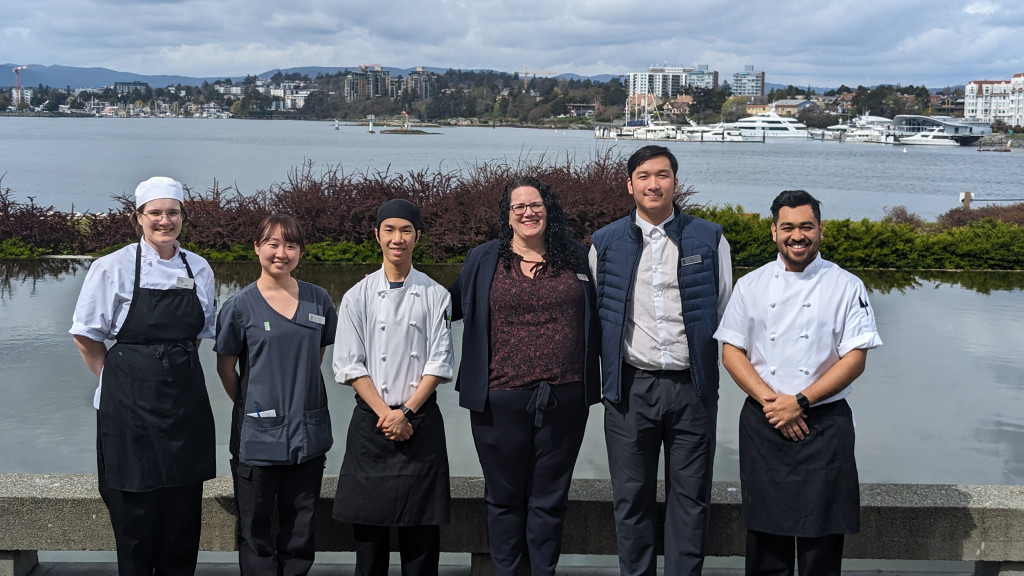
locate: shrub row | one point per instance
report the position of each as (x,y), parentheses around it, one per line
(460,211)
(978,244)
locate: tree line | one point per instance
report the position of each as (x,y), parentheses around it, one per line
(492,97)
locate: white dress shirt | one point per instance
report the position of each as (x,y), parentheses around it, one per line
(107,290)
(795,325)
(655,332)
(394,335)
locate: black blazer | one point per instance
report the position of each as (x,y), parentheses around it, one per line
(471,302)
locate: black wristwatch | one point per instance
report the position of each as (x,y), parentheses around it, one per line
(406,410)
(802,401)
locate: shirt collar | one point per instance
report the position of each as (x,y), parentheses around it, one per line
(384,286)
(646,227)
(150,252)
(813,268)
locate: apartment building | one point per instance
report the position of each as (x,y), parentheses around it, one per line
(669,81)
(749,83)
(991,100)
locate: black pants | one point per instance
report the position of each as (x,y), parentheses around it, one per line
(527,471)
(419,547)
(290,491)
(660,409)
(772,555)
(156,532)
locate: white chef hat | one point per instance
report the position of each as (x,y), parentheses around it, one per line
(158,187)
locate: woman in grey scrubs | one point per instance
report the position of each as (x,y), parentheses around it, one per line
(271,338)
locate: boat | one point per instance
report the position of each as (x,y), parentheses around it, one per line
(934,137)
(939,130)
(770,125)
(867,128)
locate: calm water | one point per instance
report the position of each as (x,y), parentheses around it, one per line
(940,402)
(81,163)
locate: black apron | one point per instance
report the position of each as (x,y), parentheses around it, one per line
(155,422)
(388,483)
(808,488)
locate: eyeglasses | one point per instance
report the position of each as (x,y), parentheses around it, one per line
(520,209)
(156,216)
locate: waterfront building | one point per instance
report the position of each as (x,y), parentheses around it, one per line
(992,100)
(422,84)
(369,82)
(127,87)
(19,95)
(749,83)
(669,81)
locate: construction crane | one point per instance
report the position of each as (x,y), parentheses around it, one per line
(526,76)
(17,83)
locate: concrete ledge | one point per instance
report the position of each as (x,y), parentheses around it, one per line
(981,524)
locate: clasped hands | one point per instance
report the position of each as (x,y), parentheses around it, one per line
(784,413)
(395,426)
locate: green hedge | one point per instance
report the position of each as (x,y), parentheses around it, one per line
(979,245)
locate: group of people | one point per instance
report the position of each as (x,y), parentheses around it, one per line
(550,328)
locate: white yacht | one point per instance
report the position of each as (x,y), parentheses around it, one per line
(770,125)
(934,137)
(938,130)
(867,128)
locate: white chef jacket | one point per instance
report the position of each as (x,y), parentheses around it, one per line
(794,326)
(107,290)
(394,335)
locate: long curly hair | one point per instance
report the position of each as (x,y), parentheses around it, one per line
(560,250)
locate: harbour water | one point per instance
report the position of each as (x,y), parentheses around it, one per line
(939,403)
(80,163)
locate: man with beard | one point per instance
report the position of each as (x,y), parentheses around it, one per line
(795,336)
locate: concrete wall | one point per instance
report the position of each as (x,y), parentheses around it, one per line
(983,524)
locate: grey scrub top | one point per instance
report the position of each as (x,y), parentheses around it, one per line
(280,415)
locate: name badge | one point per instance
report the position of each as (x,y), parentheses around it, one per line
(582,277)
(317,319)
(696,259)
(185,282)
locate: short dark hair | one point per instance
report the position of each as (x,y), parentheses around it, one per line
(290,230)
(794,199)
(646,153)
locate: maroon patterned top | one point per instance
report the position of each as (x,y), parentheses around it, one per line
(536,328)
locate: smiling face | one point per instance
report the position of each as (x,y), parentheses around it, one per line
(797,233)
(527,228)
(397,238)
(160,220)
(278,257)
(653,185)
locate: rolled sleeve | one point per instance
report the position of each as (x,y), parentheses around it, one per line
(349,360)
(441,356)
(859,330)
(733,327)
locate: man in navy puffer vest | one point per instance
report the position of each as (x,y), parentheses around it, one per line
(663,280)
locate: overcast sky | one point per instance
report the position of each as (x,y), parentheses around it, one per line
(823,43)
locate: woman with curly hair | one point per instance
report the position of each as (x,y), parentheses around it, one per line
(529,371)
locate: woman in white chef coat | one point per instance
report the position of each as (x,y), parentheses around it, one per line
(155,432)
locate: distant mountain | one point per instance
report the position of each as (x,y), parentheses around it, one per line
(64,76)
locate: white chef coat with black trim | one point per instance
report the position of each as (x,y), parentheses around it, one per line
(794,326)
(394,335)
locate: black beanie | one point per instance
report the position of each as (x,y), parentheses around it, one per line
(399,208)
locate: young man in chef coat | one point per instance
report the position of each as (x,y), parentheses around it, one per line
(795,336)
(394,347)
